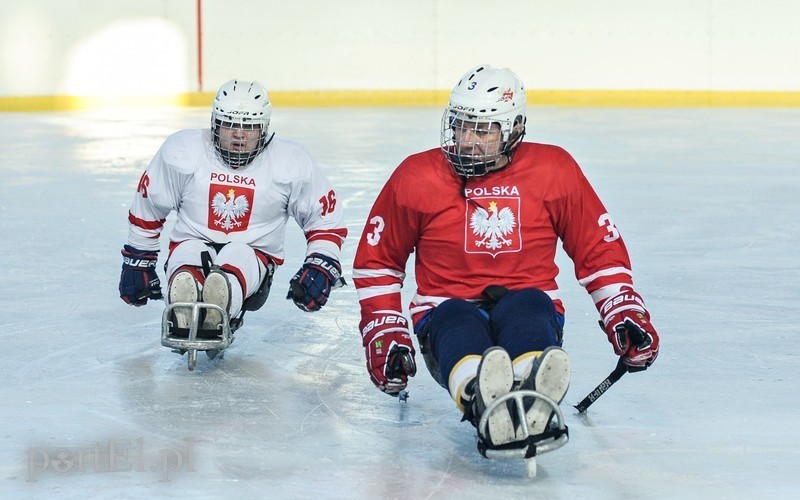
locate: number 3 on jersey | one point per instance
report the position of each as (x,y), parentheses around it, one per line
(377,227)
(613,233)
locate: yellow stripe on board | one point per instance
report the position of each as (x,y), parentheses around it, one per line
(662,98)
(62,103)
(326,98)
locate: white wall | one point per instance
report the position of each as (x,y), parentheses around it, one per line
(148,47)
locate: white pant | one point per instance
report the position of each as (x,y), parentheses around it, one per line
(240,262)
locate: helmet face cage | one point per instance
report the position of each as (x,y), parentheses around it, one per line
(473,145)
(484,99)
(240,107)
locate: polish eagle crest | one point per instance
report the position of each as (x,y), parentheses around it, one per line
(493,226)
(229,209)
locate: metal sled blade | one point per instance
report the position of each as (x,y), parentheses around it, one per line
(191,343)
(529,446)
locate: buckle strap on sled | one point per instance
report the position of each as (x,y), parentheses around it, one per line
(528,445)
(531,441)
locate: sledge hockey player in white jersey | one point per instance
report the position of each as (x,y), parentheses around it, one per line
(483,214)
(233,186)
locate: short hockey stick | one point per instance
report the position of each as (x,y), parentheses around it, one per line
(612,378)
(636,336)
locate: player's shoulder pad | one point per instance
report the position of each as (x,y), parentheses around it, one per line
(182,150)
(548,157)
(421,162)
(418,166)
(290,154)
(551,151)
(288,146)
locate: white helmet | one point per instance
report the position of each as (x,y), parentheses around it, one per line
(484,95)
(245,105)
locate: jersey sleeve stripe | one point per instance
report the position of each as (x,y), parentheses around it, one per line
(145,224)
(607,291)
(584,282)
(336,240)
(377,291)
(368,282)
(334,235)
(378,273)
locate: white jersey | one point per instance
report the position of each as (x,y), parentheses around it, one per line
(251,205)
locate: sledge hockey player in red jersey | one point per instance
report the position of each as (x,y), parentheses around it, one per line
(484,214)
(233,186)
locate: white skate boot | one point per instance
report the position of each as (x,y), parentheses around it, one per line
(523,414)
(183,288)
(495,379)
(547,375)
(217,291)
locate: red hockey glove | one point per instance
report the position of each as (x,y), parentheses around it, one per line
(628,328)
(138,280)
(390,353)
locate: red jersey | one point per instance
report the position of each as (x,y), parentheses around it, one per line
(499,229)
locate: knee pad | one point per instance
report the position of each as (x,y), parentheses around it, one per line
(456,329)
(529,299)
(525,320)
(187,253)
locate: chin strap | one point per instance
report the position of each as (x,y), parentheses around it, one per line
(511,146)
(487,167)
(460,160)
(268,141)
(239,160)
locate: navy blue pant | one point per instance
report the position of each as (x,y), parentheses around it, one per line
(521,321)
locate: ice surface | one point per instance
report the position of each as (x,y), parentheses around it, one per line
(707,199)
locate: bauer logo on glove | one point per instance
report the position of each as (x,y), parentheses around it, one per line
(138,281)
(138,262)
(326,264)
(386,319)
(627,325)
(311,286)
(389,350)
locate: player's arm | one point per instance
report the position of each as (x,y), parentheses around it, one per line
(602,266)
(156,194)
(387,241)
(315,206)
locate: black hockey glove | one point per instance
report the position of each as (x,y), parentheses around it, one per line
(311,285)
(139,281)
